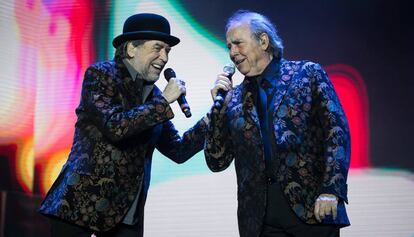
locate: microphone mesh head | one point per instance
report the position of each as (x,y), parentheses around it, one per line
(169,73)
(229,69)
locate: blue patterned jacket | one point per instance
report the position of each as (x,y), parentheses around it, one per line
(312,139)
(110,159)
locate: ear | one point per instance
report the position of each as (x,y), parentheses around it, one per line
(264,41)
(130,50)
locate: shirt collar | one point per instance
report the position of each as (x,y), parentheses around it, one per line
(270,73)
(130,68)
(147,86)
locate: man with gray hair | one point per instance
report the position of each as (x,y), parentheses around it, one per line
(287,132)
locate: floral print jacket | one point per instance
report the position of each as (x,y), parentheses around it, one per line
(110,159)
(312,139)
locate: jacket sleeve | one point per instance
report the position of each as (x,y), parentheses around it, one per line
(180,149)
(104,107)
(336,134)
(218,149)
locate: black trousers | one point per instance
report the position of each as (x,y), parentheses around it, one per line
(63,229)
(281,221)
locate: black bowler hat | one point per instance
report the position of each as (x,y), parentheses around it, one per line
(146,26)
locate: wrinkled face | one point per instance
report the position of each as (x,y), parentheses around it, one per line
(249,55)
(149,58)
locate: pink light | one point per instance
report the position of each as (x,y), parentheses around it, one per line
(352,93)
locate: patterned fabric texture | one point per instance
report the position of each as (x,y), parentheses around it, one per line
(312,139)
(110,159)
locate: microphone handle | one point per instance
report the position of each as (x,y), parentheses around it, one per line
(184,106)
(221,94)
(168,74)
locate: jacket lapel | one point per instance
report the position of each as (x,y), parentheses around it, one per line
(248,97)
(251,117)
(249,90)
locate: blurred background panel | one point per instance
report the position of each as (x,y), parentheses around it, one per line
(366,48)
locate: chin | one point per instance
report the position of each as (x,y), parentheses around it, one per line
(243,70)
(153,78)
(245,73)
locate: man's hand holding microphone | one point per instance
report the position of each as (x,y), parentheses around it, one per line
(175,90)
(222,85)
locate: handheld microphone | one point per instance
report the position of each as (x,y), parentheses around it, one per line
(168,74)
(221,94)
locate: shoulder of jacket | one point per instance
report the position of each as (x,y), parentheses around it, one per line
(104,67)
(299,63)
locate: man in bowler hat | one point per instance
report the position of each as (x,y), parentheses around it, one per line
(122,117)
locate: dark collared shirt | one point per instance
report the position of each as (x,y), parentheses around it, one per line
(266,89)
(147,86)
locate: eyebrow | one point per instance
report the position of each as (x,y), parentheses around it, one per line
(166,46)
(234,41)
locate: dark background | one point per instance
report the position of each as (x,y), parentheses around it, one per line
(374,37)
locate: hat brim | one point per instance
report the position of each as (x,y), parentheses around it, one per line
(145,35)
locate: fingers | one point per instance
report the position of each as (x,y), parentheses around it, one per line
(325,205)
(179,85)
(316,211)
(323,210)
(180,82)
(182,87)
(174,89)
(223,80)
(222,83)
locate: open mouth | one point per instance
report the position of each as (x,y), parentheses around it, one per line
(157,66)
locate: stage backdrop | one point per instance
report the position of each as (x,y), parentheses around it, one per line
(46,47)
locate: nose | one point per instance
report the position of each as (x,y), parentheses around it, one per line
(233,51)
(164,55)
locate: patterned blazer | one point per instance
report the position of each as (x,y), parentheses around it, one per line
(312,139)
(110,159)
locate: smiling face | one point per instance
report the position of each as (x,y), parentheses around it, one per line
(148,58)
(248,54)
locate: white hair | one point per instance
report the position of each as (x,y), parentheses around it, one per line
(259,24)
